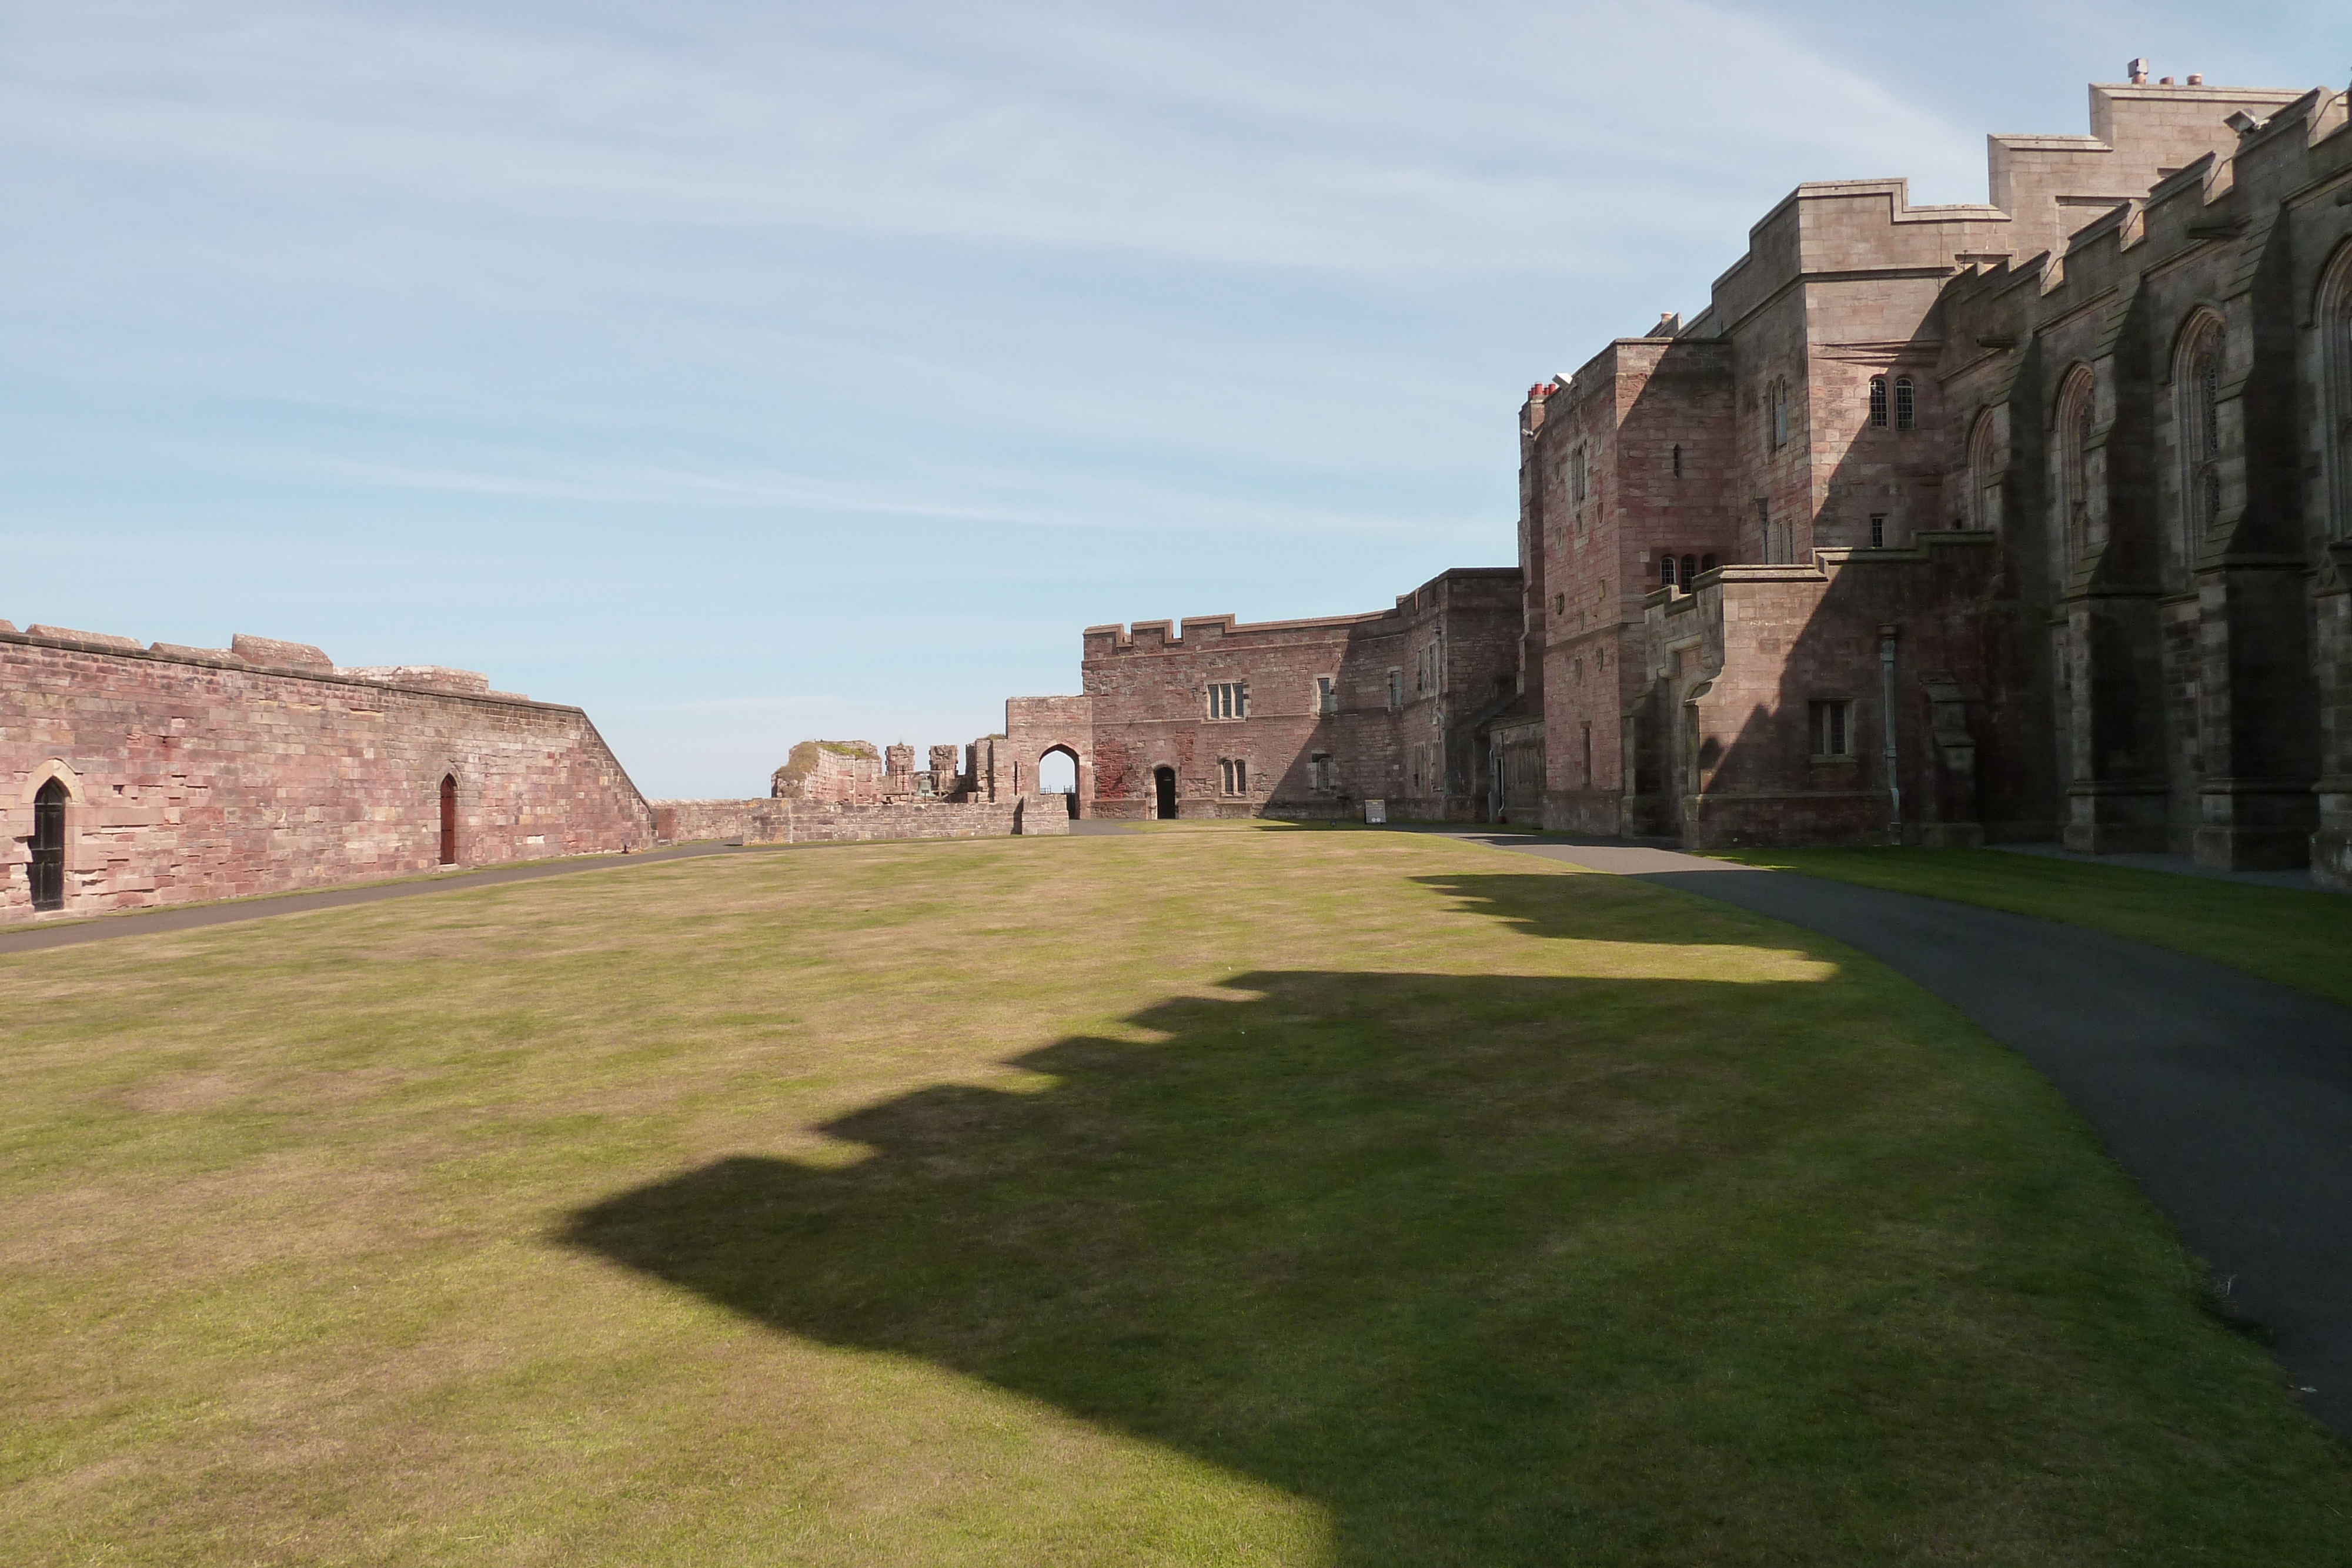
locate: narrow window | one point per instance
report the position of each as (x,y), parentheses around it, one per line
(1665,571)
(448,818)
(1327,694)
(49,846)
(1833,729)
(1396,690)
(1764,527)
(2074,413)
(1707,563)
(1907,404)
(1588,755)
(1878,530)
(1560,604)
(2336,374)
(1319,772)
(1984,475)
(1690,570)
(1878,401)
(1240,775)
(1776,414)
(1678,460)
(2198,416)
(1576,476)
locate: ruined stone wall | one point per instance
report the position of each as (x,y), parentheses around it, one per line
(831,772)
(201,774)
(1034,726)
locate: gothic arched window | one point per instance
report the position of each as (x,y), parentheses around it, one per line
(2196,394)
(2335,367)
(2077,407)
(1984,475)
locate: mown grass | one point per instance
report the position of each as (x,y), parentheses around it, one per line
(2292,935)
(1229,1195)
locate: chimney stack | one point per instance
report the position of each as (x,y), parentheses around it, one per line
(2137,71)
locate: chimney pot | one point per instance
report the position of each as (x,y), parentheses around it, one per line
(2137,71)
(2164,82)
(2196,79)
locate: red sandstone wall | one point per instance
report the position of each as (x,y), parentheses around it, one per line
(1148,690)
(1653,418)
(199,774)
(832,772)
(778,821)
(1034,726)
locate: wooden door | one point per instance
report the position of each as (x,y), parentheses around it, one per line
(48,869)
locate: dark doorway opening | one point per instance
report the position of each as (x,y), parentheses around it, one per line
(48,868)
(448,818)
(1163,787)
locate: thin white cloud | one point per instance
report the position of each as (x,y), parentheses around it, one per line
(1325,137)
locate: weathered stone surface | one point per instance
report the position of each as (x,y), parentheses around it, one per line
(830,772)
(784,821)
(200,778)
(1328,713)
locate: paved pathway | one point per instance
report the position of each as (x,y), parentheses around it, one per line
(187,917)
(2227,1098)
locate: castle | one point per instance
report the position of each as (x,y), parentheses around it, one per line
(1944,525)
(2026,520)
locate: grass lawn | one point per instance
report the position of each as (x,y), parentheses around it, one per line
(1220,1195)
(2288,935)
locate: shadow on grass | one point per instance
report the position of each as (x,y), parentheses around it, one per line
(1494,1270)
(1575,908)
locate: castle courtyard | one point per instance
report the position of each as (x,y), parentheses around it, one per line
(1207,1192)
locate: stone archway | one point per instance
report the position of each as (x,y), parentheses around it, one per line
(1059,773)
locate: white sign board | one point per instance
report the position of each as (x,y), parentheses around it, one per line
(1376,811)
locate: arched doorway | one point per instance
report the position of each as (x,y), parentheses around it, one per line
(1057,774)
(448,818)
(1163,789)
(49,846)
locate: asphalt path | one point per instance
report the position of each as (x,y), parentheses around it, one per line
(2227,1098)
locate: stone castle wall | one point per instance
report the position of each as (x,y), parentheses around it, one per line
(776,821)
(198,774)
(1409,687)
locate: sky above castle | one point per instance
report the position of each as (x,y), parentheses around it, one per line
(746,373)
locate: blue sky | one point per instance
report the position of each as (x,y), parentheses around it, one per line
(750,373)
